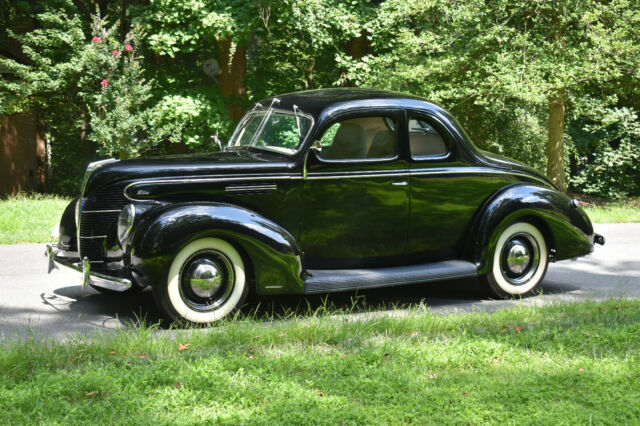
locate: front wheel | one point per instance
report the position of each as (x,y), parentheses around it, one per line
(518,263)
(206,282)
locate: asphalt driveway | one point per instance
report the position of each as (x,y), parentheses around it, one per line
(33,303)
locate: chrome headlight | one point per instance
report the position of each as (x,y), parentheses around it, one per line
(125,222)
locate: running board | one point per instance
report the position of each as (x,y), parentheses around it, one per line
(333,280)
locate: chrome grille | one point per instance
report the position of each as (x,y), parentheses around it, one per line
(98,217)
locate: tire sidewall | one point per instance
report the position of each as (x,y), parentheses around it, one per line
(497,282)
(175,305)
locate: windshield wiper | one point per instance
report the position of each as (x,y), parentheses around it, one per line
(263,123)
(297,111)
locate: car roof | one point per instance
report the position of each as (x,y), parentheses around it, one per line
(328,101)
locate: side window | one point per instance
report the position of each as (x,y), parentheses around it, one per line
(425,140)
(359,139)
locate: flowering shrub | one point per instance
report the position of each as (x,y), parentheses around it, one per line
(116,91)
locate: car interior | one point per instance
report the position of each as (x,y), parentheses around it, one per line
(424,140)
(375,138)
(362,138)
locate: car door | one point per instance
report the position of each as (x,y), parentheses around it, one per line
(446,191)
(356,194)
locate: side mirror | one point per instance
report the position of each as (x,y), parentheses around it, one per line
(316,147)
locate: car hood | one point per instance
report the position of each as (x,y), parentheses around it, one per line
(189,165)
(500,161)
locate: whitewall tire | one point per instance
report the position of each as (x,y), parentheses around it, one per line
(206,282)
(519,261)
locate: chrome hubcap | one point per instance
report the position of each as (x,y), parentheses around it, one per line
(206,280)
(520,258)
(204,277)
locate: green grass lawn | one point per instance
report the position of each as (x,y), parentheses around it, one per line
(562,364)
(29,218)
(615,211)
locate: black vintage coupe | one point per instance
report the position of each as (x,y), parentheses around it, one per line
(319,191)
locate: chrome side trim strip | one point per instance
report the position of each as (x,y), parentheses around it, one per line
(94,237)
(209,179)
(251,188)
(329,175)
(340,175)
(409,173)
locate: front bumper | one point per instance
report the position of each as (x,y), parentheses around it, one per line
(88,277)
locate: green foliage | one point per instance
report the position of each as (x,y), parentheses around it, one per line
(190,117)
(49,84)
(493,64)
(606,150)
(179,27)
(189,106)
(297,43)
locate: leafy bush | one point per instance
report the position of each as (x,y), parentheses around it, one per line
(606,150)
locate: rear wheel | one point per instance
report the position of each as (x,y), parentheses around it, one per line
(519,261)
(206,282)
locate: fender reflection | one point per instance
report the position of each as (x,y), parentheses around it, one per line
(568,230)
(272,251)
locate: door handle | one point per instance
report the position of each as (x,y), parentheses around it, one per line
(402,183)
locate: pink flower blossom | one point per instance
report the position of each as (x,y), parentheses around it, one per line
(104,83)
(128,47)
(96,40)
(115,53)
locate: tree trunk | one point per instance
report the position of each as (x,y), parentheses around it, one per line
(232,77)
(124,23)
(555,152)
(357,47)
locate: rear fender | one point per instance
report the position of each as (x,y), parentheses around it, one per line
(567,229)
(273,253)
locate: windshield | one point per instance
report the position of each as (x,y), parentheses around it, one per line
(273,129)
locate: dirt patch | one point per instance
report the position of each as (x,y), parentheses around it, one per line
(590,200)
(594,201)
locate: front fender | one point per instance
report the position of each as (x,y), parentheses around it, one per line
(272,251)
(68,232)
(567,228)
